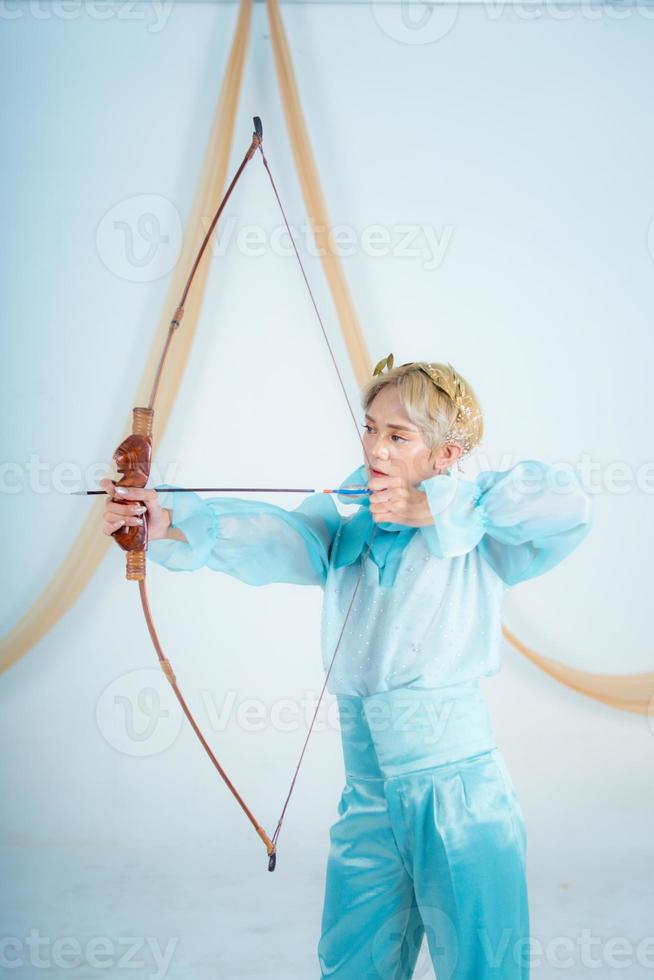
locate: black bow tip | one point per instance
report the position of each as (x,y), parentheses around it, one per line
(272,861)
(258,127)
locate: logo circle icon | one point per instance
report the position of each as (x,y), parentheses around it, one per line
(400,940)
(139,239)
(138,714)
(415,22)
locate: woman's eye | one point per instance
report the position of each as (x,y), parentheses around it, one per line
(368,428)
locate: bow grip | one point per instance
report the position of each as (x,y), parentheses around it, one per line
(133,459)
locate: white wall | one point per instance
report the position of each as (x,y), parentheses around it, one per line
(523,146)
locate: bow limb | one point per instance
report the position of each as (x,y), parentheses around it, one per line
(167,668)
(133,459)
(257,137)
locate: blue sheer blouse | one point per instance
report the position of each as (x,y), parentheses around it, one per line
(427,611)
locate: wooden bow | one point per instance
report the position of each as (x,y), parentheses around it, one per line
(133,460)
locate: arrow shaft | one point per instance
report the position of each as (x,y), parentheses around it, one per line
(349,491)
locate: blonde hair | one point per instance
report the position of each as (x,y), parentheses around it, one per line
(437,399)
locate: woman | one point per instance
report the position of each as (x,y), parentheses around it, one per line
(430,838)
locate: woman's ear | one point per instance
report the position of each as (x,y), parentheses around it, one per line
(445,457)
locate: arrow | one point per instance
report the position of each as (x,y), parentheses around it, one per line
(352,491)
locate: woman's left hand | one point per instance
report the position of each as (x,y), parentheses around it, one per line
(395,500)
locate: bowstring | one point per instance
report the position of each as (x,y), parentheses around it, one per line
(275,836)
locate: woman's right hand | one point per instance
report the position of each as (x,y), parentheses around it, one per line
(135,506)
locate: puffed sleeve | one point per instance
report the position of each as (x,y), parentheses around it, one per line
(524,520)
(256,542)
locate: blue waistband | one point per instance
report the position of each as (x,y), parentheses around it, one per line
(395,732)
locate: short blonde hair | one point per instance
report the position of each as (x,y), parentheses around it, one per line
(437,399)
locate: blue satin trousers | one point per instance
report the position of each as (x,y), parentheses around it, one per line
(429,842)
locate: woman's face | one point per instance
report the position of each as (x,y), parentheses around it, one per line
(394,446)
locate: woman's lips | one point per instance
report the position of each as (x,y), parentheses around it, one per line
(379,473)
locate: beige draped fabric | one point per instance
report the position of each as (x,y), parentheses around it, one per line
(90,546)
(628,692)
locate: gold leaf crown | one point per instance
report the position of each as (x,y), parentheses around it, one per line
(454,387)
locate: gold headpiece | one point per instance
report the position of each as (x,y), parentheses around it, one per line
(454,387)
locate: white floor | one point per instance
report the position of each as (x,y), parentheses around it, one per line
(202,915)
